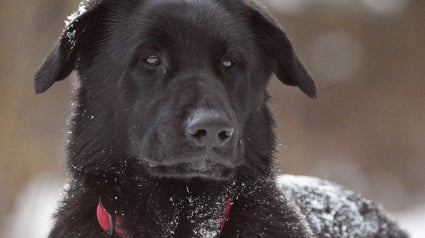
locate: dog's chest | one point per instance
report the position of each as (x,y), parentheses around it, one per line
(187,215)
(197,216)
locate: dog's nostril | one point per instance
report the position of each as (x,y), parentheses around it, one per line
(209,128)
(200,133)
(225,135)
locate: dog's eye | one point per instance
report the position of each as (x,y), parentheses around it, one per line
(153,60)
(228,62)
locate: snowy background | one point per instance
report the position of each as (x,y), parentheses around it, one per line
(366,130)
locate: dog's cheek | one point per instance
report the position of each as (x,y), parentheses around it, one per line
(242,100)
(127,109)
(132,84)
(146,123)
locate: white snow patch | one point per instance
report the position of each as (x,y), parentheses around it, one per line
(34,208)
(413,221)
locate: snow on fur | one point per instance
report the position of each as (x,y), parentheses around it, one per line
(82,8)
(333,211)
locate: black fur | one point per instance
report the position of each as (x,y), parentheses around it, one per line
(129,120)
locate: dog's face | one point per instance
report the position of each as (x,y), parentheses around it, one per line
(175,82)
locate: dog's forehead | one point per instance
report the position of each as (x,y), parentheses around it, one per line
(203,18)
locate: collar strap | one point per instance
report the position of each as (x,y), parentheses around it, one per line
(112,224)
(226,213)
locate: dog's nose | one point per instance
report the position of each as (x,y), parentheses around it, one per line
(209,128)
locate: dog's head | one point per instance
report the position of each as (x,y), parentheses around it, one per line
(179,86)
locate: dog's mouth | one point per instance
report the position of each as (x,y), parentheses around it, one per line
(190,169)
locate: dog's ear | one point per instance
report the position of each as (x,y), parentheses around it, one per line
(61,60)
(273,41)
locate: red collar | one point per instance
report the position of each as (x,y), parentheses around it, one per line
(112,224)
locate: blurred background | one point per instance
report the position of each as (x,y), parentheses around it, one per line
(366,130)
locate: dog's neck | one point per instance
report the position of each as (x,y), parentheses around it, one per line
(172,207)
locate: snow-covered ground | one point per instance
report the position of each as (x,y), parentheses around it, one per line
(32,215)
(34,208)
(413,221)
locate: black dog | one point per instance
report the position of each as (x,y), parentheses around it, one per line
(171,135)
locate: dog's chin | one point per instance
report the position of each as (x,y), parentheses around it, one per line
(190,170)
